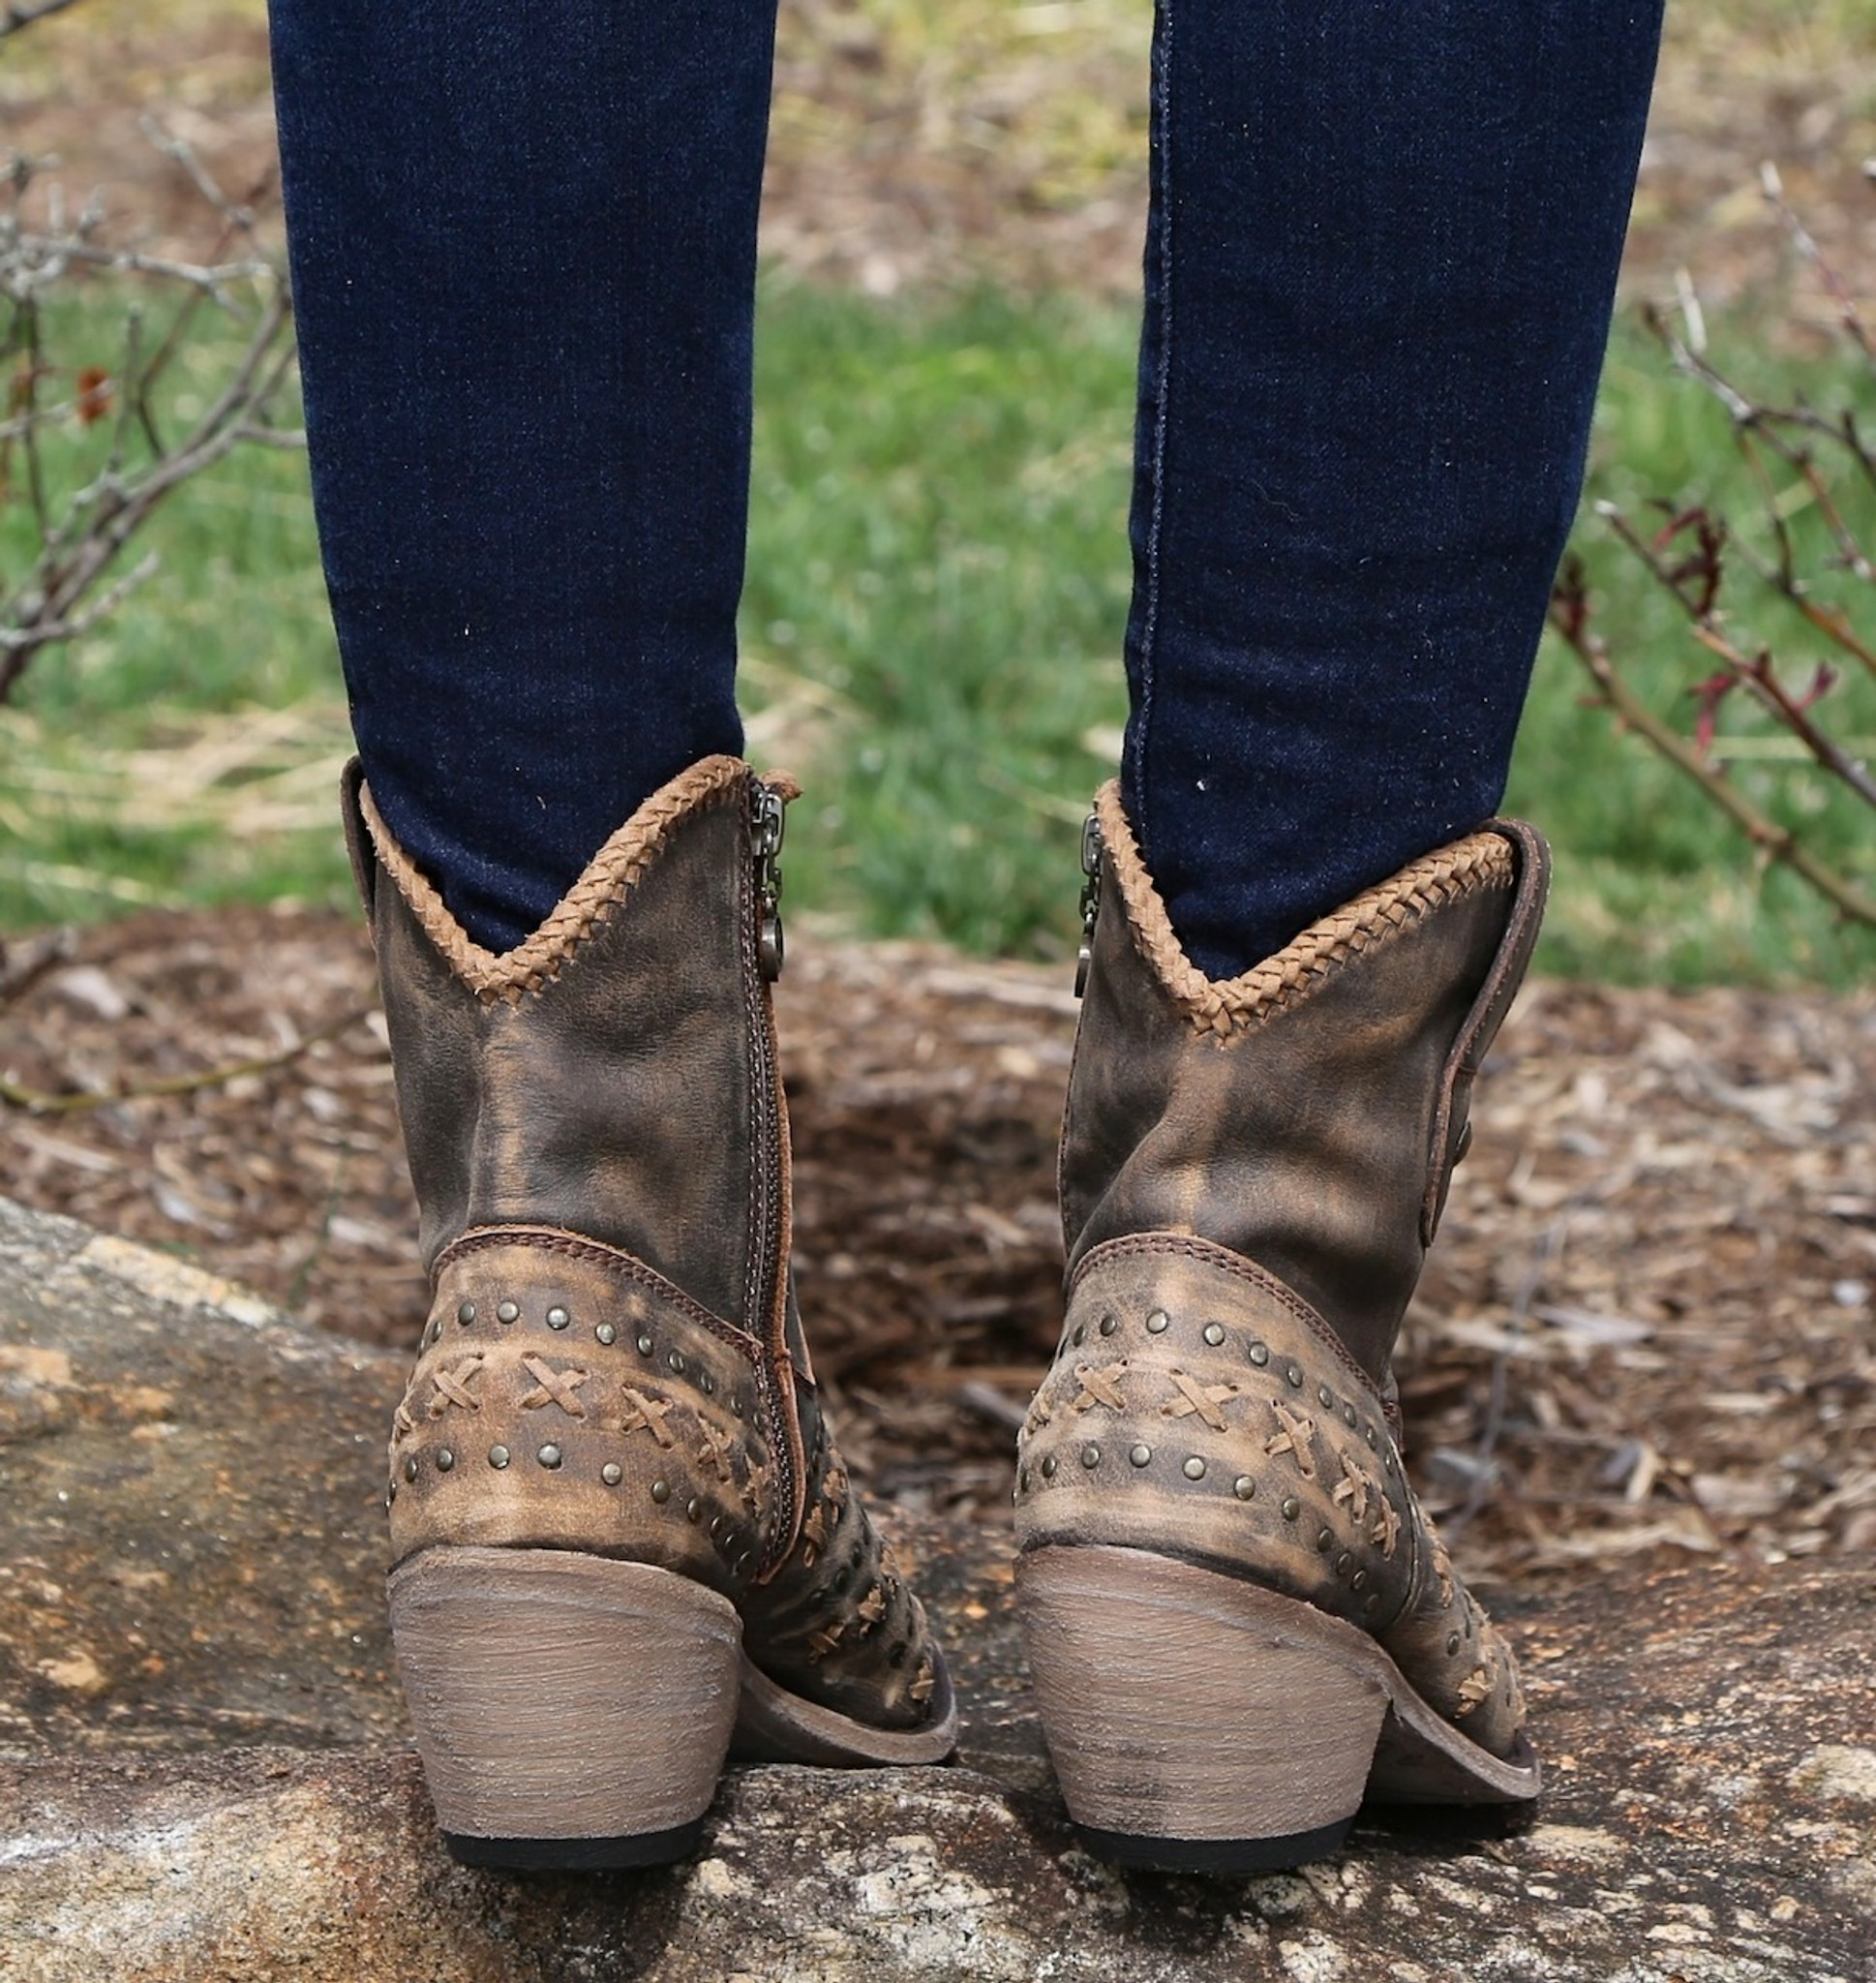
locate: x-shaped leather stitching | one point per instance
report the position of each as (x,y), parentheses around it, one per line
(554,1387)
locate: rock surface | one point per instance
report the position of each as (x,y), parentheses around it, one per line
(204,1775)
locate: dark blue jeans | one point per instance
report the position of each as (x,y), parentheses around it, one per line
(1379,263)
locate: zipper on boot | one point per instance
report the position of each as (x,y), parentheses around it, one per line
(768,1295)
(1090,900)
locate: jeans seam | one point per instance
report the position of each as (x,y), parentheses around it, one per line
(1162,374)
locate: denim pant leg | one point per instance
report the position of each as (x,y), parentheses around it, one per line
(1379,267)
(522,247)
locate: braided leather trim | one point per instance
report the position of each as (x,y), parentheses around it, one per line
(607,877)
(1225,1006)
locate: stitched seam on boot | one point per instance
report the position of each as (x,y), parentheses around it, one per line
(1371,919)
(622,1265)
(607,877)
(1208,1253)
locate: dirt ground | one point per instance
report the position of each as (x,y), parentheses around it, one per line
(1646,1326)
(916,147)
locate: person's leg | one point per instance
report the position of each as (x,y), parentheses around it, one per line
(1382,256)
(1383,245)
(523,245)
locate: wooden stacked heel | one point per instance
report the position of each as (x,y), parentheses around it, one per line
(571,1711)
(1200,1723)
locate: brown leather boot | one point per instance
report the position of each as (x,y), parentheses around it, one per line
(621,1531)
(1238,1616)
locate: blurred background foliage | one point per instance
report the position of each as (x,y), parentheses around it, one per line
(938,561)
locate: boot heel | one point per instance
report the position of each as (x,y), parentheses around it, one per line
(571,1711)
(1198,1723)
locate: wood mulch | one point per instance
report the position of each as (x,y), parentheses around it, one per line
(1648,1325)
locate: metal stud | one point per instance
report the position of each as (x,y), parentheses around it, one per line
(1108,1325)
(707,1383)
(1373,1438)
(612,1472)
(390,1494)
(1349,1414)
(1141,1455)
(694,1509)
(675,1364)
(741,1566)
(1292,1508)
(645,1346)
(1157,1322)
(1212,1334)
(1359,1581)
(605,1333)
(1193,1469)
(410,1469)
(1091,1455)
(466,1313)
(497,1457)
(1452,1644)
(1259,1353)
(507,1311)
(445,1459)
(558,1317)
(1325,1398)
(662,1491)
(1244,1487)
(1371,1605)
(435,1330)
(1022,1481)
(549,1456)
(1080,1335)
(1325,1540)
(1293,1375)
(1049,1468)
(716,1528)
(1344,1563)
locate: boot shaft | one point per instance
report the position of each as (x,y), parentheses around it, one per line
(1308,1115)
(615,1074)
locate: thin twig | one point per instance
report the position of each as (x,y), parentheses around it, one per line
(17,14)
(1776,843)
(1756,674)
(1802,238)
(40,1102)
(1531,1284)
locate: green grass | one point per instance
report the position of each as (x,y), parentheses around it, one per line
(937,588)
(938,540)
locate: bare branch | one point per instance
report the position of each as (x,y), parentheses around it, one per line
(17,14)
(41,1102)
(78,547)
(1802,238)
(1570,617)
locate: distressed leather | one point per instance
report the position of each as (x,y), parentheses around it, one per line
(1250,1173)
(1311,1126)
(613,1362)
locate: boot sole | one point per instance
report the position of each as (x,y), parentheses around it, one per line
(575,1713)
(1200,1723)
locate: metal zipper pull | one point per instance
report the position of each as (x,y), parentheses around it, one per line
(1090,899)
(766,828)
